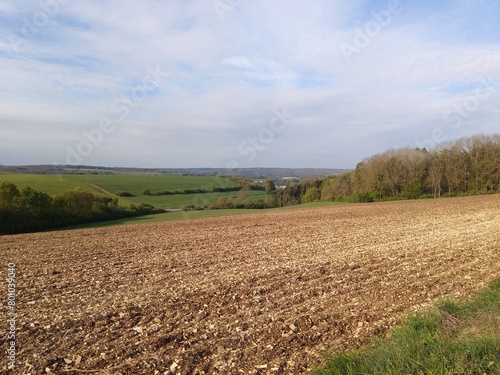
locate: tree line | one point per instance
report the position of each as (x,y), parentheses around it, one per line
(215,189)
(242,201)
(468,166)
(28,210)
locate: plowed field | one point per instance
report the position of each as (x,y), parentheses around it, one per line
(255,294)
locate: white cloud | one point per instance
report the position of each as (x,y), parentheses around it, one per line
(221,80)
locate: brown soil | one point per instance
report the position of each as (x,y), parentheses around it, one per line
(255,294)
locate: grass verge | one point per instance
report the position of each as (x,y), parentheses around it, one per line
(189,215)
(455,338)
(160,218)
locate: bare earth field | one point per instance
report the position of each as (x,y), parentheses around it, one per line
(256,294)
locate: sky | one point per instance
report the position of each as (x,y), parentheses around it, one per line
(242,83)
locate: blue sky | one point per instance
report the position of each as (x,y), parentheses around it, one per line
(242,83)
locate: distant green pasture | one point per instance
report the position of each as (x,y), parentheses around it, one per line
(169,216)
(100,184)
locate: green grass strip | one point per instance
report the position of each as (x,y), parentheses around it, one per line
(455,338)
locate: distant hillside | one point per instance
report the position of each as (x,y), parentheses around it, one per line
(274,173)
(261,172)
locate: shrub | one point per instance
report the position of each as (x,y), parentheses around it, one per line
(222,202)
(125,194)
(312,194)
(363,198)
(165,192)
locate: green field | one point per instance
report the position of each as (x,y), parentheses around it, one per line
(55,184)
(110,185)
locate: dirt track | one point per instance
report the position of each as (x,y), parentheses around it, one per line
(253,294)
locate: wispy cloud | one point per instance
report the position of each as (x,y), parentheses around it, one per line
(65,67)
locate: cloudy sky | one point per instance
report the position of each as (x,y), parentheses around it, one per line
(242,83)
